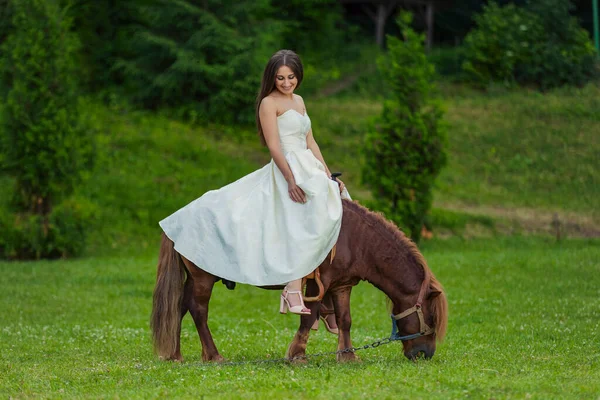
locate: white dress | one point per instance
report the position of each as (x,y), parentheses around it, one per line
(251,231)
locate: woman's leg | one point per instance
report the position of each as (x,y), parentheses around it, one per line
(292,296)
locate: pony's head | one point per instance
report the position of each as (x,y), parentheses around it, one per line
(397,267)
(427,320)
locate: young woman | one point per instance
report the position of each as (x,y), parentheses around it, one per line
(277,224)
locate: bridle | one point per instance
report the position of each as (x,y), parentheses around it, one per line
(424,329)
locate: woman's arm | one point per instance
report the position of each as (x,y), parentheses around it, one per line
(268,120)
(311,143)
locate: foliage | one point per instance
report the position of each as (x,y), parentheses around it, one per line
(44,145)
(502,41)
(307,22)
(448,62)
(566,55)
(540,44)
(99,25)
(62,233)
(207,56)
(405,151)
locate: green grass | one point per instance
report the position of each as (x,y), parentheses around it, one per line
(507,149)
(516,152)
(149,166)
(524,323)
(525,149)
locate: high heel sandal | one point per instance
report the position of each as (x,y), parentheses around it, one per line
(323,316)
(284,304)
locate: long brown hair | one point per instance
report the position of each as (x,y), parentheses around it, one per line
(279,59)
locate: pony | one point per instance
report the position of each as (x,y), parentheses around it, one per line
(369,248)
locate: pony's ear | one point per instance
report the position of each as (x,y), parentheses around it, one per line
(433,293)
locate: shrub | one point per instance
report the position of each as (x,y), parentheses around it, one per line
(540,44)
(566,54)
(502,41)
(27,236)
(405,150)
(448,62)
(44,146)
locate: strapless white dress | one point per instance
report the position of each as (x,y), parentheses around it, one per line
(251,231)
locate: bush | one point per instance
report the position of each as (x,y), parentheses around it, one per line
(405,150)
(566,55)
(448,62)
(27,236)
(540,44)
(44,146)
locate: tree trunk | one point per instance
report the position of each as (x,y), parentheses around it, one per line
(380,24)
(429,17)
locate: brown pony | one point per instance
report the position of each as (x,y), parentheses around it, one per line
(369,248)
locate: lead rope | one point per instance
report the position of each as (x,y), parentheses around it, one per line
(373,345)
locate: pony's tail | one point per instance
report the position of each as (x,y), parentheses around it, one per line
(165,321)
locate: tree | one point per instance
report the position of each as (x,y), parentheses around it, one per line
(405,150)
(43,147)
(205,55)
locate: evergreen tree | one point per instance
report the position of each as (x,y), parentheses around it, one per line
(43,147)
(205,55)
(405,150)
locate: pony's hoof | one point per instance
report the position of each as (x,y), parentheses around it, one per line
(298,361)
(348,357)
(175,358)
(216,359)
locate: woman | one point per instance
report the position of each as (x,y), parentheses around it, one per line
(277,224)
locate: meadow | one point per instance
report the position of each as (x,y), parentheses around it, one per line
(524,306)
(524,323)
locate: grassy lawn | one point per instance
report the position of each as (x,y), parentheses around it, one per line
(516,158)
(525,310)
(508,150)
(524,323)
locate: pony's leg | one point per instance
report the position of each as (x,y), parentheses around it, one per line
(196,301)
(184,309)
(298,346)
(327,310)
(341,304)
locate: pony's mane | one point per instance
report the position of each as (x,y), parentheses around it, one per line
(389,230)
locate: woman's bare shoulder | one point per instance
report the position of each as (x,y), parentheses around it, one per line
(300,100)
(268,103)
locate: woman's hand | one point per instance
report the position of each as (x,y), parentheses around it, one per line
(296,193)
(342,186)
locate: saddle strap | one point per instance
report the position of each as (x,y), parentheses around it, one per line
(316,275)
(317,278)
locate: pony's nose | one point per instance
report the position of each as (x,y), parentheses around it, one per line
(417,351)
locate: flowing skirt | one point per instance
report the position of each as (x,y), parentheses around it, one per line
(251,231)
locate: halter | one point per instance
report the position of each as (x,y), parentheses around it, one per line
(424,329)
